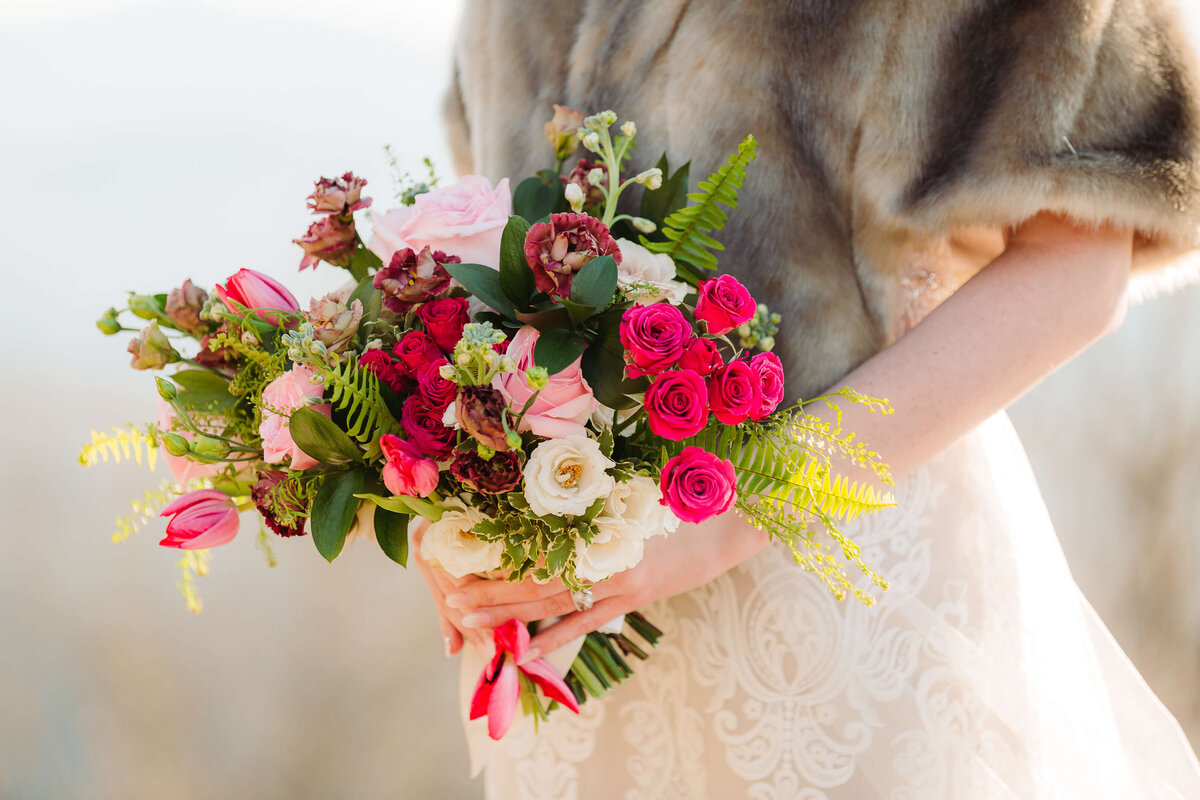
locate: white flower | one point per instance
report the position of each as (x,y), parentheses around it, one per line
(565,476)
(450,545)
(605,417)
(618,546)
(651,178)
(637,501)
(629,129)
(654,272)
(450,415)
(574,196)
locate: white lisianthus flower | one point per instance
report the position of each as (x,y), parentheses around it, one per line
(450,545)
(565,476)
(618,546)
(450,415)
(637,501)
(654,271)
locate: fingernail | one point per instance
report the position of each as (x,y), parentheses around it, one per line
(446,640)
(475,620)
(532,654)
(459,600)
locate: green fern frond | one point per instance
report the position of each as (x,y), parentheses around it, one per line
(356,392)
(688,230)
(123,444)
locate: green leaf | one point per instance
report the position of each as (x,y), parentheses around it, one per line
(577,313)
(604,363)
(402,504)
(560,553)
(484,283)
(668,198)
(556,316)
(539,196)
(320,437)
(391,531)
(516,278)
(333,511)
(363,261)
(557,349)
(203,390)
(595,284)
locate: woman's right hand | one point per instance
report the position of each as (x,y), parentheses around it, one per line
(441,585)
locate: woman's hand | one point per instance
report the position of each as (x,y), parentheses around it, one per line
(441,584)
(690,557)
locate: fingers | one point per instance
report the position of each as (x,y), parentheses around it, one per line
(572,627)
(481,593)
(450,635)
(491,616)
(442,583)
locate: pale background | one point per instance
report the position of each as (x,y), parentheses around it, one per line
(145,142)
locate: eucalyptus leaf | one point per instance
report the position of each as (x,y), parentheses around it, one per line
(578,313)
(604,363)
(320,437)
(595,284)
(391,532)
(539,196)
(555,317)
(557,349)
(516,278)
(333,511)
(484,283)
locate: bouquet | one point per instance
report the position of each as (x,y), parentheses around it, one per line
(548,380)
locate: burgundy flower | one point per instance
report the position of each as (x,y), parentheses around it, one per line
(676,405)
(702,356)
(423,427)
(216,359)
(499,474)
(654,337)
(724,303)
(329,239)
(480,411)
(410,279)
(437,392)
(444,319)
(273,504)
(592,195)
(415,350)
(183,307)
(771,381)
(381,364)
(338,196)
(557,249)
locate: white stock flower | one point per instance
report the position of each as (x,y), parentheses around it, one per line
(618,546)
(656,271)
(565,476)
(637,501)
(450,545)
(574,196)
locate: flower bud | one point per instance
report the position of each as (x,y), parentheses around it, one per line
(537,377)
(340,196)
(595,177)
(175,444)
(574,196)
(144,306)
(210,447)
(607,118)
(448,372)
(643,225)
(563,131)
(766,344)
(166,389)
(629,128)
(151,349)
(184,307)
(513,440)
(651,178)
(743,330)
(484,451)
(108,323)
(508,364)
(591,141)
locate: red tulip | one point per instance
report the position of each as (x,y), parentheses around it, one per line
(199,520)
(499,686)
(253,290)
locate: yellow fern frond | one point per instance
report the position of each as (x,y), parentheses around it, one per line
(153,501)
(122,444)
(194,564)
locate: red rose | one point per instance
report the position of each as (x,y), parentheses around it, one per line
(410,279)
(654,337)
(381,364)
(697,485)
(724,304)
(433,388)
(500,473)
(557,249)
(415,350)
(675,405)
(423,427)
(330,239)
(771,381)
(734,392)
(444,320)
(702,356)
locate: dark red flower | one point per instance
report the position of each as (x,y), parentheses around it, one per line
(735,392)
(702,356)
(501,473)
(273,503)
(444,319)
(423,427)
(330,239)
(338,196)
(480,411)
(557,249)
(410,279)
(438,392)
(414,350)
(381,364)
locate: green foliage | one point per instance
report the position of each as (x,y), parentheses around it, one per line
(333,511)
(557,349)
(688,230)
(391,532)
(539,196)
(203,390)
(659,204)
(604,362)
(355,393)
(595,284)
(516,278)
(320,437)
(401,504)
(484,283)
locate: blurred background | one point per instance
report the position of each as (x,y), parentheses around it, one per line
(144,142)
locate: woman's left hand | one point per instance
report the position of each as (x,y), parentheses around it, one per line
(690,557)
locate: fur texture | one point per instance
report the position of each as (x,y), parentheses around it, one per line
(891,132)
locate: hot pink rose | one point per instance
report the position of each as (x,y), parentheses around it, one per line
(697,485)
(675,405)
(182,467)
(654,337)
(199,520)
(424,428)
(734,393)
(407,471)
(436,391)
(287,393)
(558,249)
(562,407)
(385,369)
(724,304)
(415,350)
(702,356)
(771,381)
(444,320)
(252,289)
(464,219)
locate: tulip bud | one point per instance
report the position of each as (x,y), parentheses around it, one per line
(108,323)
(151,349)
(200,520)
(144,306)
(643,225)
(175,444)
(166,389)
(574,196)
(210,448)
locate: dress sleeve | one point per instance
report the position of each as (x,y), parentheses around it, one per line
(1085,108)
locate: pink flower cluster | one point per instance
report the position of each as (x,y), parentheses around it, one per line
(332,238)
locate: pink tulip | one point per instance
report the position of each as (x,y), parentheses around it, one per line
(257,291)
(199,520)
(499,686)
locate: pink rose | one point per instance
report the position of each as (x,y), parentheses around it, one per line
(557,249)
(329,239)
(675,405)
(410,279)
(407,471)
(444,320)
(771,381)
(734,393)
(702,356)
(654,337)
(415,350)
(199,520)
(436,391)
(724,304)
(253,290)
(697,485)
(182,467)
(424,428)
(287,393)
(464,219)
(561,408)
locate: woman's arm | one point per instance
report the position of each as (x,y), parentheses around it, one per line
(1056,289)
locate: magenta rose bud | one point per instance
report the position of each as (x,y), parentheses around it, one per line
(675,405)
(199,520)
(329,239)
(415,350)
(654,337)
(407,470)
(270,502)
(697,485)
(338,196)
(770,376)
(436,391)
(444,320)
(381,364)
(558,249)
(410,279)
(723,303)
(500,473)
(424,428)
(253,290)
(702,356)
(734,393)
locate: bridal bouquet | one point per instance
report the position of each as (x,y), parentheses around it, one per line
(549,381)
